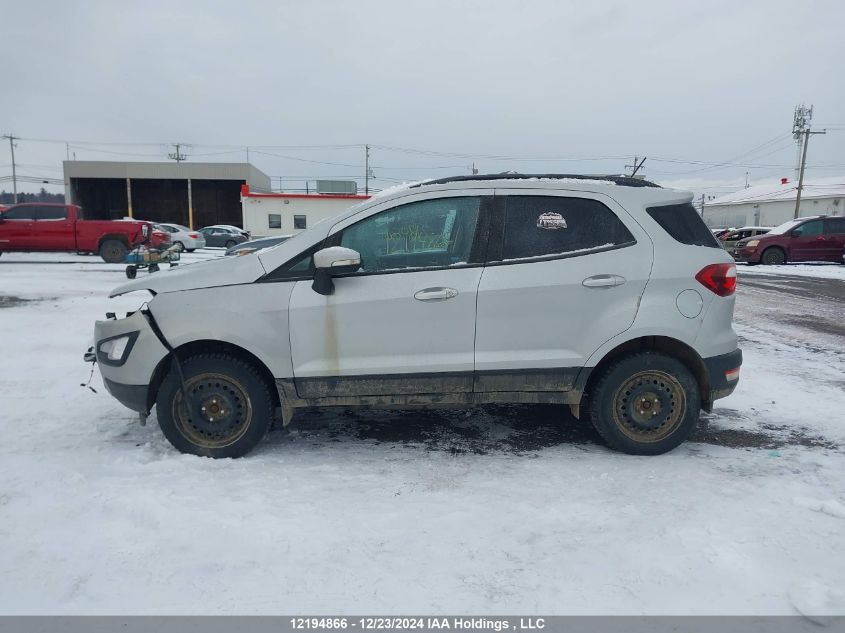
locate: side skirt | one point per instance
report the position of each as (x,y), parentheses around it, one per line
(566,393)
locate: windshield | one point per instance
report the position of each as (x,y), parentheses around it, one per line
(786,227)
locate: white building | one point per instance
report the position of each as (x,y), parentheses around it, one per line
(266,214)
(770,205)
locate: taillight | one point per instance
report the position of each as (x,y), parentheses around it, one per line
(718,278)
(194,236)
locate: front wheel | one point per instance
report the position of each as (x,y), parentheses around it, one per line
(773,256)
(645,404)
(228,411)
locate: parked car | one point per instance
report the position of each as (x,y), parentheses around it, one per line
(182,237)
(730,238)
(222,236)
(233,228)
(719,233)
(814,238)
(41,226)
(601,291)
(250,246)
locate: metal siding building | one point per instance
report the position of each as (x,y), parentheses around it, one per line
(771,205)
(193,194)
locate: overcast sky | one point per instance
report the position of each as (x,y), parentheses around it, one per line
(706,81)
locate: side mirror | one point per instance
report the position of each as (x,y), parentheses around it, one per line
(328,262)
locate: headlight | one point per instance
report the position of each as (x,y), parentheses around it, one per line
(115,350)
(752,243)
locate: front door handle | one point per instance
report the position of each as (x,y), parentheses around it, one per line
(603,281)
(435,294)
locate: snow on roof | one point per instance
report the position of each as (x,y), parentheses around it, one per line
(813,189)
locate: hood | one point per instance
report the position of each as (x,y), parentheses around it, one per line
(224,271)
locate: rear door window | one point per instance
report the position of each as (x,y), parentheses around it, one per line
(683,224)
(51,213)
(835,226)
(549,226)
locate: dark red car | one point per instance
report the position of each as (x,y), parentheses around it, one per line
(813,239)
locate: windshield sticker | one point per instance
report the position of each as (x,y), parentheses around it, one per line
(551,221)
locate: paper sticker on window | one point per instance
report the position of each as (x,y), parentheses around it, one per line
(551,221)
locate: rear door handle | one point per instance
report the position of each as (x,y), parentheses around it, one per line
(603,281)
(435,294)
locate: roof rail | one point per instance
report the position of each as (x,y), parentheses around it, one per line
(623,181)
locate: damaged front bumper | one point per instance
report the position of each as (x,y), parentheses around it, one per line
(127,352)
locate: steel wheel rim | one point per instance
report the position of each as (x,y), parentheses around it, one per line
(649,406)
(220,410)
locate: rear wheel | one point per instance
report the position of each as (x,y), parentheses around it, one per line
(131,272)
(179,246)
(773,256)
(190,250)
(113,251)
(230,243)
(645,404)
(228,411)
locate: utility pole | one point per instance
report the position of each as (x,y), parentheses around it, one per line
(247,153)
(702,205)
(12,138)
(636,166)
(801,130)
(746,180)
(366,170)
(177,155)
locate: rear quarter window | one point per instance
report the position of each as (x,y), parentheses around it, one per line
(683,224)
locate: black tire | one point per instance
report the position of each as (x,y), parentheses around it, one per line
(242,401)
(645,404)
(190,250)
(179,246)
(773,256)
(113,251)
(131,272)
(230,243)
(153,268)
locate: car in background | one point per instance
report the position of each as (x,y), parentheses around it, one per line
(234,228)
(719,233)
(3,207)
(250,246)
(730,238)
(183,238)
(222,236)
(817,238)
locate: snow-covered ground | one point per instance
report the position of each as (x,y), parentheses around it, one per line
(492,510)
(815,271)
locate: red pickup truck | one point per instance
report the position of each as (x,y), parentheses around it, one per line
(40,226)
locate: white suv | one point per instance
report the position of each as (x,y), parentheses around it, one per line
(608,294)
